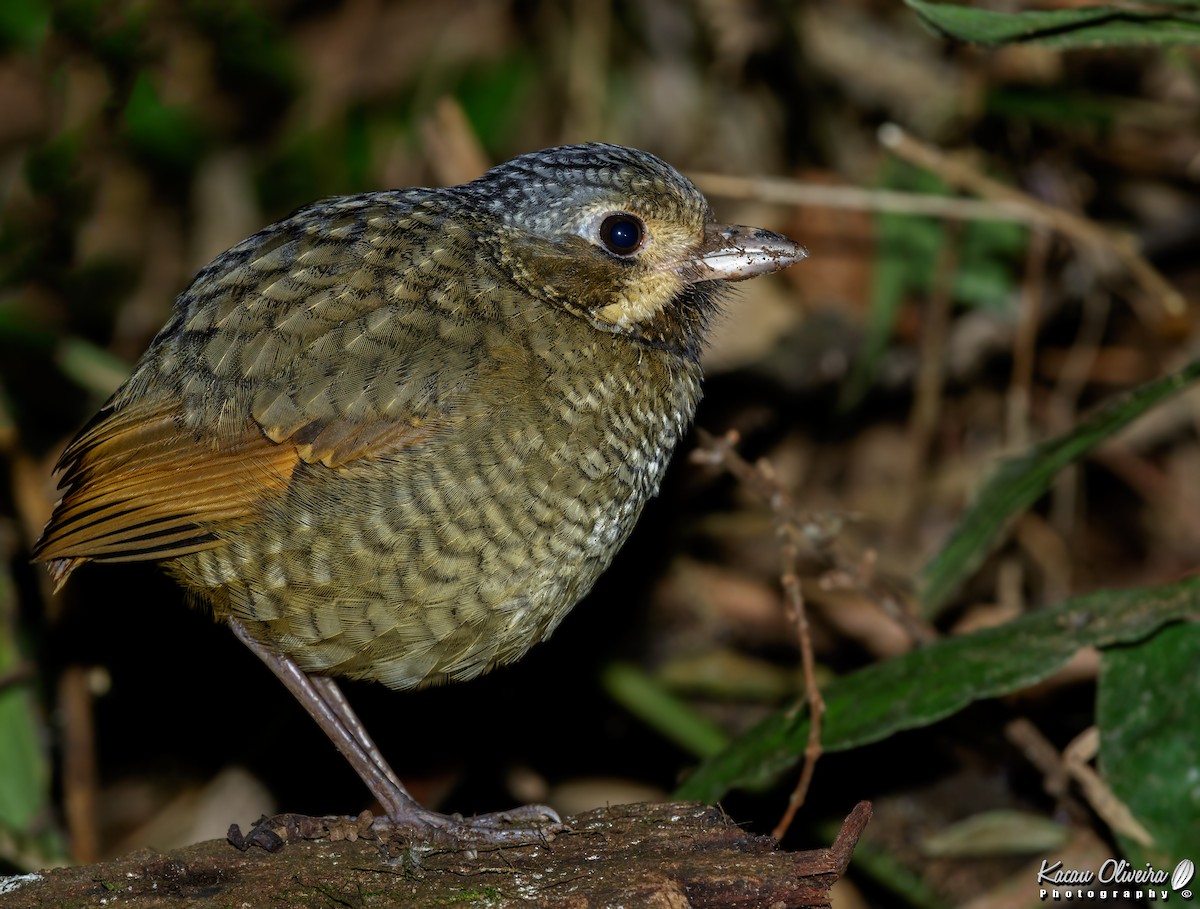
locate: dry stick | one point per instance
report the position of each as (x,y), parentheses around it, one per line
(958,173)
(927,402)
(818,531)
(1020,387)
(587,70)
(1040,752)
(860,576)
(762,480)
(1059,770)
(789,555)
(451,146)
(1067,503)
(80,779)
(1001,203)
(1076,757)
(782,191)
(1072,380)
(1018,402)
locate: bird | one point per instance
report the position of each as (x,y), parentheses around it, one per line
(397,436)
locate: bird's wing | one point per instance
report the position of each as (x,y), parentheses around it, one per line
(136,487)
(323,341)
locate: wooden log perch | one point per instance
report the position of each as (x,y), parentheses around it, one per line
(672,856)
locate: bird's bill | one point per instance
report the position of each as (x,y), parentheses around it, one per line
(732,252)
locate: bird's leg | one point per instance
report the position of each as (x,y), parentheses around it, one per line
(331,693)
(327,705)
(331,717)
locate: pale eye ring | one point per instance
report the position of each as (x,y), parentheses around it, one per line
(622,234)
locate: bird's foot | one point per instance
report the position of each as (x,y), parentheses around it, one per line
(522,826)
(416,828)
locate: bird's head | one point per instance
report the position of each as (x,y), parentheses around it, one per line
(620,238)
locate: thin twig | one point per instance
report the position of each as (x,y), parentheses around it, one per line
(782,191)
(859,575)
(1076,757)
(819,531)
(80,779)
(451,146)
(1000,203)
(958,172)
(1073,764)
(762,480)
(1065,514)
(1040,752)
(931,371)
(789,555)
(1020,388)
(587,70)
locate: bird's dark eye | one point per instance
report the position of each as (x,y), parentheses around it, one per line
(622,234)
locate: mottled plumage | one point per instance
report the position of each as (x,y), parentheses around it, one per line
(397,436)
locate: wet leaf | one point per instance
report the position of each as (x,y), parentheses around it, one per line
(935,682)
(1021,481)
(1147,705)
(1088,26)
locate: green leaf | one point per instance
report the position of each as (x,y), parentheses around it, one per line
(1021,481)
(24,24)
(1057,109)
(253,55)
(114,32)
(906,265)
(988,252)
(494,96)
(24,769)
(651,702)
(310,164)
(1088,26)
(1147,708)
(53,167)
(92,367)
(167,134)
(996,832)
(932,683)
(905,247)
(24,773)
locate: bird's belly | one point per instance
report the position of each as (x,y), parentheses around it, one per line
(432,568)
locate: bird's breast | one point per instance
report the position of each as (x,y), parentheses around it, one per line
(460,553)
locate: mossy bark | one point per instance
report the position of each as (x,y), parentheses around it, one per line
(657,855)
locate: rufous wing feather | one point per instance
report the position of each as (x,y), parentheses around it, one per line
(137,485)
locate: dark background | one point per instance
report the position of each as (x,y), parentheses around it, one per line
(140,139)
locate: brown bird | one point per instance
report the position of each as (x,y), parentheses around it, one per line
(397,436)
